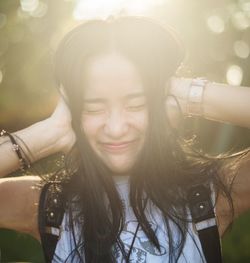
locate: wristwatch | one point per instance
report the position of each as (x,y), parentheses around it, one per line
(194,106)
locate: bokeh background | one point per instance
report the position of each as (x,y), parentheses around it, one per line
(216,35)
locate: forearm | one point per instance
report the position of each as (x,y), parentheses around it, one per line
(234,173)
(227,103)
(19,197)
(37,141)
(221,102)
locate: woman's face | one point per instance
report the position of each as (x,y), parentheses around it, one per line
(114,117)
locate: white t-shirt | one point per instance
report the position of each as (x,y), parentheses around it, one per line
(142,251)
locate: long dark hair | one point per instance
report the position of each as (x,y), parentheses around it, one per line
(166,168)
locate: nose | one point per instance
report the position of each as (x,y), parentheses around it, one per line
(116,125)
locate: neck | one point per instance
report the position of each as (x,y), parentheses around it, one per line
(120,178)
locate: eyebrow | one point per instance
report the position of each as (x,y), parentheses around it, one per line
(128,97)
(135,95)
(94,100)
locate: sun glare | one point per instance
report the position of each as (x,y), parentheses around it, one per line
(86,9)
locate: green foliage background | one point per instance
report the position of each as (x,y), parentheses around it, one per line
(28,93)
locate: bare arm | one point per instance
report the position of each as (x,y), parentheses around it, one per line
(229,104)
(221,102)
(19,199)
(42,139)
(19,196)
(235,172)
(39,139)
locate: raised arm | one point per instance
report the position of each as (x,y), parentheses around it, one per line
(230,104)
(19,196)
(41,139)
(221,102)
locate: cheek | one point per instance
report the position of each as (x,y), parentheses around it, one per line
(140,120)
(91,125)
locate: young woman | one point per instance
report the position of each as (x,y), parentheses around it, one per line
(127,173)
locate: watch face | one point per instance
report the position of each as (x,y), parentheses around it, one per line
(195,97)
(195,94)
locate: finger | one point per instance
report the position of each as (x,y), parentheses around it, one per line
(62,110)
(172,112)
(63,94)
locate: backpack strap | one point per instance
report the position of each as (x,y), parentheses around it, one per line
(50,215)
(202,211)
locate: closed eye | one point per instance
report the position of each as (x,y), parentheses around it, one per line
(136,107)
(136,104)
(93,112)
(93,109)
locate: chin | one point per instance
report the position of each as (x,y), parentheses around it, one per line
(124,168)
(119,164)
(120,170)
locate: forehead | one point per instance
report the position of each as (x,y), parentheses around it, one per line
(111,74)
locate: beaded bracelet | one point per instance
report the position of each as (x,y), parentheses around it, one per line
(24,164)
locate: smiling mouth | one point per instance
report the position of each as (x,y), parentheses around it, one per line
(117,147)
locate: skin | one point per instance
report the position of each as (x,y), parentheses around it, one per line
(114,119)
(115,122)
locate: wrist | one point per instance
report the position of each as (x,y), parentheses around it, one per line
(24,162)
(190,94)
(39,140)
(195,99)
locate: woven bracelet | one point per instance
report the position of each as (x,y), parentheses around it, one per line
(24,164)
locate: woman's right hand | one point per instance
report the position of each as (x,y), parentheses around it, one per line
(39,140)
(19,196)
(61,120)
